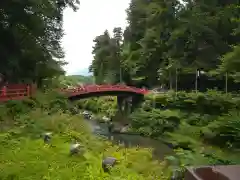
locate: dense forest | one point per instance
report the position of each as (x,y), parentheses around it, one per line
(183,45)
(31,33)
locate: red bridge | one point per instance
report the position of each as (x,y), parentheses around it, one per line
(16,91)
(102,90)
(21,91)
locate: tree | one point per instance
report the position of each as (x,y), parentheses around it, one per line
(168,39)
(30,34)
(106,65)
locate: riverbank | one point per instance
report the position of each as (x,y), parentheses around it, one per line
(202,127)
(159,149)
(24,155)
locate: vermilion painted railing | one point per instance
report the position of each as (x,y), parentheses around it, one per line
(21,91)
(15,92)
(103,88)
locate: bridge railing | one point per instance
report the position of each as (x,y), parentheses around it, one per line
(98,88)
(16,92)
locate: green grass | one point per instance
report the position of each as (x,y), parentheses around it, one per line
(23,154)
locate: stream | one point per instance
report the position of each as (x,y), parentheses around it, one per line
(160,150)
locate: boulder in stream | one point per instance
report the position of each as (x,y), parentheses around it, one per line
(86,115)
(106,119)
(125,129)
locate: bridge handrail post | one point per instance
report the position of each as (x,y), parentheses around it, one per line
(28,91)
(4,91)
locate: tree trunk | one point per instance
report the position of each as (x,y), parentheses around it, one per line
(226,82)
(120,74)
(176,80)
(196,81)
(170,80)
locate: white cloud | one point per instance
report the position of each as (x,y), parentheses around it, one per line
(81,27)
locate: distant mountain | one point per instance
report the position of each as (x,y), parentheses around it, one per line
(83,72)
(73,80)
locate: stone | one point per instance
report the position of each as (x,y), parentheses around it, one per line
(108,162)
(86,115)
(105,119)
(47,137)
(75,148)
(125,129)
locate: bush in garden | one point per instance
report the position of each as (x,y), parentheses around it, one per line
(224,131)
(197,119)
(212,102)
(155,122)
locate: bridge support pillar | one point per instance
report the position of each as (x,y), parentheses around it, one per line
(126,106)
(136,100)
(123,110)
(120,102)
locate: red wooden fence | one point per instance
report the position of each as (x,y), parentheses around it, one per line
(16,91)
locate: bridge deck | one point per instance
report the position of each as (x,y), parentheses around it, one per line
(97,90)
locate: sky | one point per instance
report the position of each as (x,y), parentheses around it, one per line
(81,27)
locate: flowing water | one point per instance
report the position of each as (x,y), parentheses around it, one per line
(159,148)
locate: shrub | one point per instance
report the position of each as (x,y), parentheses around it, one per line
(102,105)
(155,122)
(212,102)
(224,131)
(15,108)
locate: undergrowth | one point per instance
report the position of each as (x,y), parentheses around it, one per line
(203,128)
(24,155)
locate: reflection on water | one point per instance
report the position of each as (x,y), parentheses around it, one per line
(159,149)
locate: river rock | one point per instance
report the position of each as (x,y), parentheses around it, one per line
(108,163)
(86,115)
(92,117)
(47,137)
(106,119)
(75,148)
(124,129)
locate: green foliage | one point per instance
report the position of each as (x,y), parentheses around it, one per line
(31,152)
(155,122)
(104,105)
(25,156)
(203,128)
(198,158)
(224,131)
(31,33)
(75,80)
(230,63)
(211,102)
(168,42)
(106,65)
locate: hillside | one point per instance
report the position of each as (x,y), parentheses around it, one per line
(27,157)
(84,72)
(76,79)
